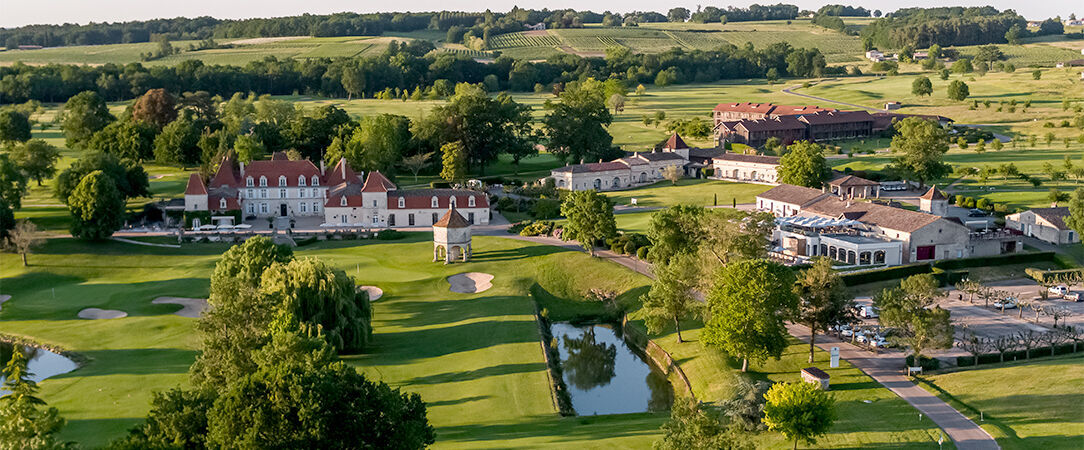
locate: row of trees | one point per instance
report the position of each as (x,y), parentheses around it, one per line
(945,26)
(1026,340)
(404,66)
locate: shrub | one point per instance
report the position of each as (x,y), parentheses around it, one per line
(546,208)
(924,362)
(390,235)
(540,228)
(506,204)
(439,185)
(630,248)
(307,241)
(616,247)
(887,273)
(641,252)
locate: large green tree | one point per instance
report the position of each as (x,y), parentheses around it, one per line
(1075,220)
(12,182)
(23,422)
(921,86)
(671,298)
(36,158)
(178,143)
(590,218)
(129,177)
(379,143)
(749,303)
(576,126)
(156,107)
(14,126)
(958,90)
(823,300)
(453,160)
(920,147)
(96,206)
(732,235)
(675,230)
(800,411)
(309,293)
(487,127)
(693,426)
(126,139)
(84,114)
(804,165)
(908,310)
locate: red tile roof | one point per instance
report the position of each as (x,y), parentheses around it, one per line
(195,185)
(675,142)
(227,174)
(423,198)
(377,182)
(933,194)
(834,117)
(341,173)
(747,107)
(214,203)
(273,169)
(452,219)
(851,180)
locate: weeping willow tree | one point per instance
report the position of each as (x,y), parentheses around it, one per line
(311,296)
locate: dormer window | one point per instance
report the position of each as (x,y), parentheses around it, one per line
(248,181)
(342,201)
(433,203)
(300,180)
(315,181)
(402,202)
(282,180)
(263,181)
(222,203)
(451,200)
(470,201)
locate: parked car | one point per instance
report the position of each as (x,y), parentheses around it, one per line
(1059,290)
(1007,303)
(847,332)
(861,337)
(868,312)
(879,343)
(976,213)
(1074,296)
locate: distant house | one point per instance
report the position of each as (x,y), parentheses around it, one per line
(1044,224)
(920,55)
(739,167)
(536,27)
(892,105)
(875,56)
(1074,22)
(622,173)
(30,47)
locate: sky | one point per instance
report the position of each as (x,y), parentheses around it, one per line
(15,13)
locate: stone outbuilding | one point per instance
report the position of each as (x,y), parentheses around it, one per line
(816,376)
(933,202)
(451,237)
(1045,224)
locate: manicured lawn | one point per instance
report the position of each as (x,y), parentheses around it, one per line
(1025,405)
(696,192)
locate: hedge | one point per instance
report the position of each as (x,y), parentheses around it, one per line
(1017,355)
(988,261)
(887,273)
(1042,275)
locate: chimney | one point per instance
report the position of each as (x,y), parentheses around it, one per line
(600,160)
(321,167)
(581,160)
(342,164)
(242,169)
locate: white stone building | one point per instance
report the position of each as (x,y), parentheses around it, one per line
(746,168)
(622,173)
(1045,224)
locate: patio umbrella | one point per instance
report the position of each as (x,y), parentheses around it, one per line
(225,227)
(206,227)
(243,226)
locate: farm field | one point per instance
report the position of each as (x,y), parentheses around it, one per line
(1018,411)
(475,359)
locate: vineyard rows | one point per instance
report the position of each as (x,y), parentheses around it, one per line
(512,40)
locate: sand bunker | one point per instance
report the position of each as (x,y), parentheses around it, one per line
(95,313)
(193,307)
(374,292)
(4,298)
(470,282)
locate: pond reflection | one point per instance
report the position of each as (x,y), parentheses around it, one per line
(42,363)
(605,376)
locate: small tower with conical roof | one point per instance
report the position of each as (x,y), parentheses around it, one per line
(676,145)
(451,237)
(933,202)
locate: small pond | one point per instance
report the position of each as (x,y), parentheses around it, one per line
(43,363)
(605,375)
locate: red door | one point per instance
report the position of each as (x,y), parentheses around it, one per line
(924,252)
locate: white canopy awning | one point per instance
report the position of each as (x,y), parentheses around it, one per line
(815,222)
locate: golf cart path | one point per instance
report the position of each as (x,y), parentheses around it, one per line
(886,369)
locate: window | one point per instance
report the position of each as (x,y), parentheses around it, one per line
(300,180)
(263,181)
(402,204)
(263,208)
(410,219)
(251,208)
(342,201)
(222,204)
(470,201)
(435,218)
(470,217)
(315,207)
(304,207)
(282,193)
(315,193)
(315,181)
(374,203)
(249,193)
(433,203)
(301,193)
(391,220)
(282,180)
(263,193)
(248,181)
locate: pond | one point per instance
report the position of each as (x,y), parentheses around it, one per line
(43,363)
(605,375)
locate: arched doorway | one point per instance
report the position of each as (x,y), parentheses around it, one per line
(617,182)
(597,184)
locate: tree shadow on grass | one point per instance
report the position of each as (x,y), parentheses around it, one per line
(557,428)
(467,375)
(393,348)
(98,432)
(138,361)
(516,253)
(419,313)
(457,401)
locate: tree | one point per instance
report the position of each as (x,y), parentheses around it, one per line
(129,178)
(1056,196)
(23,425)
(23,238)
(731,235)
(378,143)
(616,102)
(678,14)
(590,218)
(671,296)
(417,163)
(800,411)
(921,86)
(974,345)
(804,165)
(749,302)
(921,144)
(1037,74)
(674,231)
(962,65)
(823,300)
(353,82)
(695,427)
(126,139)
(12,182)
(248,148)
(84,114)
(1014,34)
(454,162)
(309,294)
(1075,220)
(7,219)
(907,309)
(179,143)
(672,174)
(745,407)
(14,126)
(943,74)
(36,158)
(577,125)
(957,90)
(156,107)
(97,207)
